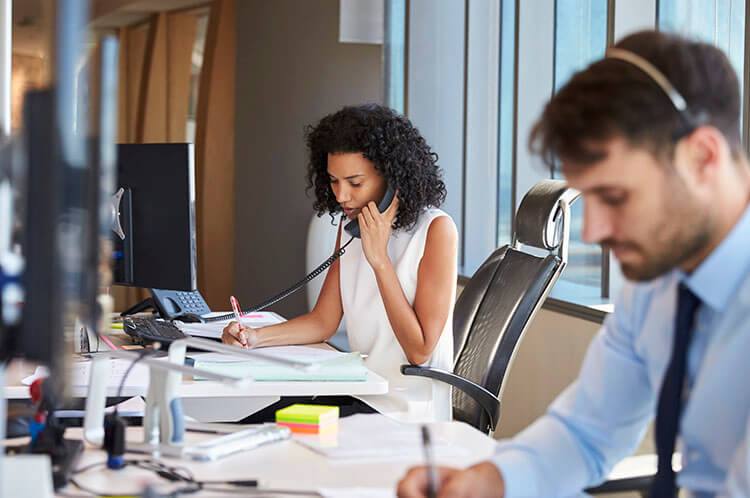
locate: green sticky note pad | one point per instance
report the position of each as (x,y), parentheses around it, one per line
(308,414)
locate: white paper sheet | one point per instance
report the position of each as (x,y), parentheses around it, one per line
(377,436)
(358,492)
(213,329)
(81,370)
(133,407)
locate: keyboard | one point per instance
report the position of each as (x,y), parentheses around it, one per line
(244,439)
(148,330)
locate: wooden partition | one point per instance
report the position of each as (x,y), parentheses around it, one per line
(155,63)
(214,153)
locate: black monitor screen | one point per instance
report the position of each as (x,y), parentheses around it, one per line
(155,246)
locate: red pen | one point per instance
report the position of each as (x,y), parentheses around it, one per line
(237,314)
(109,343)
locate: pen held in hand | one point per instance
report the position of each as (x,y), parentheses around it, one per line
(433,484)
(238,315)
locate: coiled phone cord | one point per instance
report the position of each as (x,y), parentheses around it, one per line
(294,288)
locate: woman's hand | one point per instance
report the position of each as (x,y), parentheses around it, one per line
(375,228)
(235,334)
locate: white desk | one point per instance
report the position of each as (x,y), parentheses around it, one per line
(289,465)
(286,465)
(209,401)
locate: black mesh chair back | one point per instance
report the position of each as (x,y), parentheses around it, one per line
(500,300)
(518,286)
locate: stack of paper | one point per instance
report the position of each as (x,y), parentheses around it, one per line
(308,419)
(329,365)
(213,330)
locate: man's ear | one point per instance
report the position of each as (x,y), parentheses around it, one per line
(698,156)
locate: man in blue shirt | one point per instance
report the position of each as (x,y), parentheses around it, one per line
(650,136)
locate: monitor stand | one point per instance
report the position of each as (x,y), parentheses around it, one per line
(146,304)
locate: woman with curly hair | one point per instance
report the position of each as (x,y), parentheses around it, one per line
(395,287)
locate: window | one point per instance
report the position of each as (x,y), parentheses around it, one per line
(476,77)
(580,38)
(721,23)
(505,169)
(196,63)
(394,53)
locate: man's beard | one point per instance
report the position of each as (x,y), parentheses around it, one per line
(679,236)
(656,264)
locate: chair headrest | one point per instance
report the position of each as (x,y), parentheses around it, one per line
(536,220)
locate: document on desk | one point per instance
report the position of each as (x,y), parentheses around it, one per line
(329,365)
(377,436)
(213,330)
(358,492)
(80,372)
(133,407)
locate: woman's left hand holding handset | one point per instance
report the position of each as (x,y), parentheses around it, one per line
(375,228)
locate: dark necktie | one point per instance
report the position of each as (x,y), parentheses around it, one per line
(670,397)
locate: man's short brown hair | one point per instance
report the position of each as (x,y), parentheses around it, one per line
(613,98)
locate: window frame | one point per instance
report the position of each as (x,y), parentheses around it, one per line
(465,46)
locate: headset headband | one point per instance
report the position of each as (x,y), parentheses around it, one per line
(691,121)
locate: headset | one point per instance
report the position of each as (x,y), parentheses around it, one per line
(690,119)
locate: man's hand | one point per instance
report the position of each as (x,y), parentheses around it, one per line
(482,480)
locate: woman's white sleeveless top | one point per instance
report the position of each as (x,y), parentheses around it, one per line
(409,399)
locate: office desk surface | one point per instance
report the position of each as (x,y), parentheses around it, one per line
(209,401)
(375,384)
(286,465)
(289,465)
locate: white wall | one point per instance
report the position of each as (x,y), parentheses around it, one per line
(291,71)
(548,359)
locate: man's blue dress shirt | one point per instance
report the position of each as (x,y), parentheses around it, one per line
(602,416)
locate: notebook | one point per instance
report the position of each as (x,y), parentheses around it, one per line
(329,365)
(213,330)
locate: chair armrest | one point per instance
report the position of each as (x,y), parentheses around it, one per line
(640,484)
(486,400)
(634,473)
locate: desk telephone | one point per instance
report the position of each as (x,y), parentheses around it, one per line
(190,305)
(187,306)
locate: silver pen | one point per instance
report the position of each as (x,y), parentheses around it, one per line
(433,485)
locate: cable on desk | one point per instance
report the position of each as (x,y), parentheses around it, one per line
(175,474)
(141,355)
(259,492)
(181,474)
(291,290)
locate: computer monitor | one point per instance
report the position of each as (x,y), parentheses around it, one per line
(155,243)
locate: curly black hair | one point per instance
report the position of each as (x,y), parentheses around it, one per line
(394,146)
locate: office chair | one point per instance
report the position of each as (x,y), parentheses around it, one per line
(499,301)
(637,484)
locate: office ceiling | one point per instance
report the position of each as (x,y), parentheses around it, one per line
(30,23)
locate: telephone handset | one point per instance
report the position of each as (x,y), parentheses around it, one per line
(352,228)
